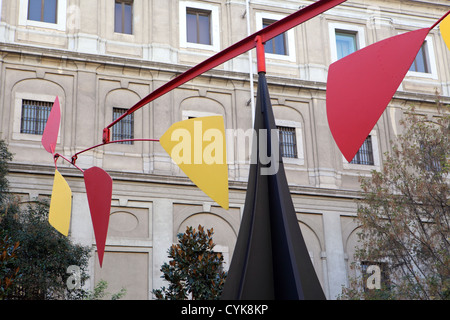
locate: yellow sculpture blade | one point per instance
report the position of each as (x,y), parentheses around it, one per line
(60,204)
(198,147)
(445,30)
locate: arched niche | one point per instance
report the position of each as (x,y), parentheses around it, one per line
(224,235)
(121,98)
(40,90)
(201,107)
(283,112)
(314,248)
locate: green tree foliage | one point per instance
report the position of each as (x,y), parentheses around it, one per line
(100,293)
(8,273)
(43,256)
(35,256)
(405,214)
(195,270)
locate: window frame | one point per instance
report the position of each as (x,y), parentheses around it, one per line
(431,62)
(199,12)
(352,34)
(43,12)
(61,16)
(121,125)
(289,37)
(297,126)
(123,2)
(266,23)
(35,125)
(17,115)
(358,159)
(334,28)
(375,152)
(214,25)
(291,145)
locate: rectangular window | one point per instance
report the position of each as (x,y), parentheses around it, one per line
(288,142)
(276,45)
(345,43)
(420,63)
(124,129)
(365,153)
(34,116)
(433,156)
(123,17)
(43,10)
(198,26)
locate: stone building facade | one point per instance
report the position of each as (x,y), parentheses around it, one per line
(101,57)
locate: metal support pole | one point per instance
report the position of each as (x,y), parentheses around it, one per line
(260,54)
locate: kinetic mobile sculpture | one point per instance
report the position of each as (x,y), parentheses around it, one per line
(270,259)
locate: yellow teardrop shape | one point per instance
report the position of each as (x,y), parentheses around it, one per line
(198,147)
(60,204)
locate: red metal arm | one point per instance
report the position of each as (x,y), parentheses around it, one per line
(235,50)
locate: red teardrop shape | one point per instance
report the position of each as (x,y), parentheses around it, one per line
(51,130)
(99,192)
(360,86)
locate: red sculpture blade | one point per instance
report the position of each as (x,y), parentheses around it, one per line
(51,130)
(361,85)
(99,192)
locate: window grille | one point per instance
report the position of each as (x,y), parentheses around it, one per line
(365,153)
(124,129)
(34,116)
(288,142)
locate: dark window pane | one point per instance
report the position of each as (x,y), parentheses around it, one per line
(34,10)
(50,7)
(280,44)
(118,17)
(203,29)
(191,26)
(123,17)
(420,63)
(276,45)
(268,47)
(42,10)
(198,26)
(128,19)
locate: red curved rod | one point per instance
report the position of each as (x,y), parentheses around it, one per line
(233,51)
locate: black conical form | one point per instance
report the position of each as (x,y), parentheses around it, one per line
(270,260)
